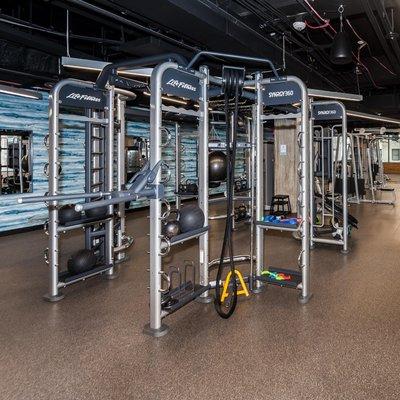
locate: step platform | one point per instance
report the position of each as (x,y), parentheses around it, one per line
(282,277)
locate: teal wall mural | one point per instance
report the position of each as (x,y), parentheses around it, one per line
(25,114)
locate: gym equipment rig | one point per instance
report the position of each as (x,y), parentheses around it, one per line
(278,92)
(323,112)
(102,111)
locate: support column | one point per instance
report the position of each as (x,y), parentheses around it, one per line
(203,182)
(258,137)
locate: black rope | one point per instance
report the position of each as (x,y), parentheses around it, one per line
(233,80)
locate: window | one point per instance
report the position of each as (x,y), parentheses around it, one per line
(15,162)
(395,154)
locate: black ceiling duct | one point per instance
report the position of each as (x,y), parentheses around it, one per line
(341,51)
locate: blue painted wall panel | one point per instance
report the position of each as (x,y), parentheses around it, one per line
(25,114)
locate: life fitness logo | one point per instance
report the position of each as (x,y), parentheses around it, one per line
(175,83)
(281,93)
(327,112)
(83,97)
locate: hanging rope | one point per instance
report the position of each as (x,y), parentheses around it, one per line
(233,80)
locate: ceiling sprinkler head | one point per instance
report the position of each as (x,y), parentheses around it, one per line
(392,35)
(299,24)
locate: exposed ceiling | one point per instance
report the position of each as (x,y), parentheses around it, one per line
(33,37)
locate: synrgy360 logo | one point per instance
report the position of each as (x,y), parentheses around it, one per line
(281,93)
(83,97)
(181,85)
(327,112)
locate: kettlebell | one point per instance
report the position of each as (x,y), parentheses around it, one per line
(172,227)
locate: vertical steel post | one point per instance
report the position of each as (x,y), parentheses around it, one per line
(21,178)
(177,166)
(155,326)
(109,181)
(53,177)
(305,191)
(258,136)
(203,180)
(121,170)
(355,174)
(312,178)
(371,178)
(344,178)
(360,161)
(250,180)
(88,169)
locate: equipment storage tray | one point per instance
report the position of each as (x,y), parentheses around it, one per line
(82,222)
(66,278)
(295,278)
(278,226)
(185,298)
(183,237)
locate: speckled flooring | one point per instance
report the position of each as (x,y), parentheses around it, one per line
(343,345)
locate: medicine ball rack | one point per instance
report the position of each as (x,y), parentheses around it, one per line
(102,111)
(326,113)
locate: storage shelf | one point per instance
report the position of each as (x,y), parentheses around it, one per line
(295,281)
(186,299)
(183,237)
(278,226)
(81,223)
(65,278)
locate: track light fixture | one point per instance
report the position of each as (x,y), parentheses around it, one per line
(341,51)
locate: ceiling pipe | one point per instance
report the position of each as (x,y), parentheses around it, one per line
(260,36)
(132,24)
(20,92)
(381,37)
(384,18)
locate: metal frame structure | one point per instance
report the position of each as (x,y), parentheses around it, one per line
(367,145)
(104,143)
(284,89)
(159,245)
(332,111)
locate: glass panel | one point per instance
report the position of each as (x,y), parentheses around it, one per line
(395,154)
(136,155)
(15,162)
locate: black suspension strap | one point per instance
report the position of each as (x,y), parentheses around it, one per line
(233,80)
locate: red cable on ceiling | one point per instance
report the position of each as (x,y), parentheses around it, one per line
(319,26)
(375,58)
(315,12)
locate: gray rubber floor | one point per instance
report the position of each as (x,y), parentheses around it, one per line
(344,344)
